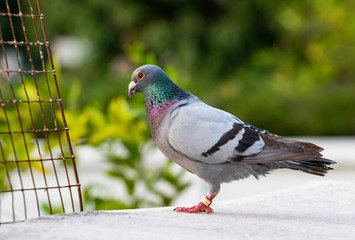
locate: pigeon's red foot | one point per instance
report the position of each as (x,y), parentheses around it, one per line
(203,206)
(200,207)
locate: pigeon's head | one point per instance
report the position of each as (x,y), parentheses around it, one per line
(143,76)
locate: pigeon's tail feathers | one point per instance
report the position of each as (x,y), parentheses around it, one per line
(279,149)
(274,141)
(316,166)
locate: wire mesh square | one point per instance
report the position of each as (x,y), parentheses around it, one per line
(38,173)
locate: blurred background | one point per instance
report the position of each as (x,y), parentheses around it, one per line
(284,66)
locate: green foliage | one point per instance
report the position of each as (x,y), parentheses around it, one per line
(53,210)
(18,146)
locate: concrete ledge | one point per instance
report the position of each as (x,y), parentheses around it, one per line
(319,210)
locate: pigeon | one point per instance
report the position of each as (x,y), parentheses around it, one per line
(213,144)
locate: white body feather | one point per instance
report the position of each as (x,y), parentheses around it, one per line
(197,127)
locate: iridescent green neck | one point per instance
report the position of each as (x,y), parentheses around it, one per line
(160,97)
(161,92)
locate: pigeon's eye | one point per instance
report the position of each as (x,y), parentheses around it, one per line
(140,76)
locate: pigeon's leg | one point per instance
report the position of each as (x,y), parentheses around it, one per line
(203,205)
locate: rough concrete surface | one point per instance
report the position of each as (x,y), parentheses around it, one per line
(318,210)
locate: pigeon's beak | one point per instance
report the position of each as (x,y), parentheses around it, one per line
(131,88)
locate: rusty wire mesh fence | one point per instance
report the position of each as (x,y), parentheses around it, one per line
(38,174)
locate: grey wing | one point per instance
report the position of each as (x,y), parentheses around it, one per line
(210,135)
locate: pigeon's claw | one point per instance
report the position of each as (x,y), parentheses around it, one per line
(200,207)
(203,206)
